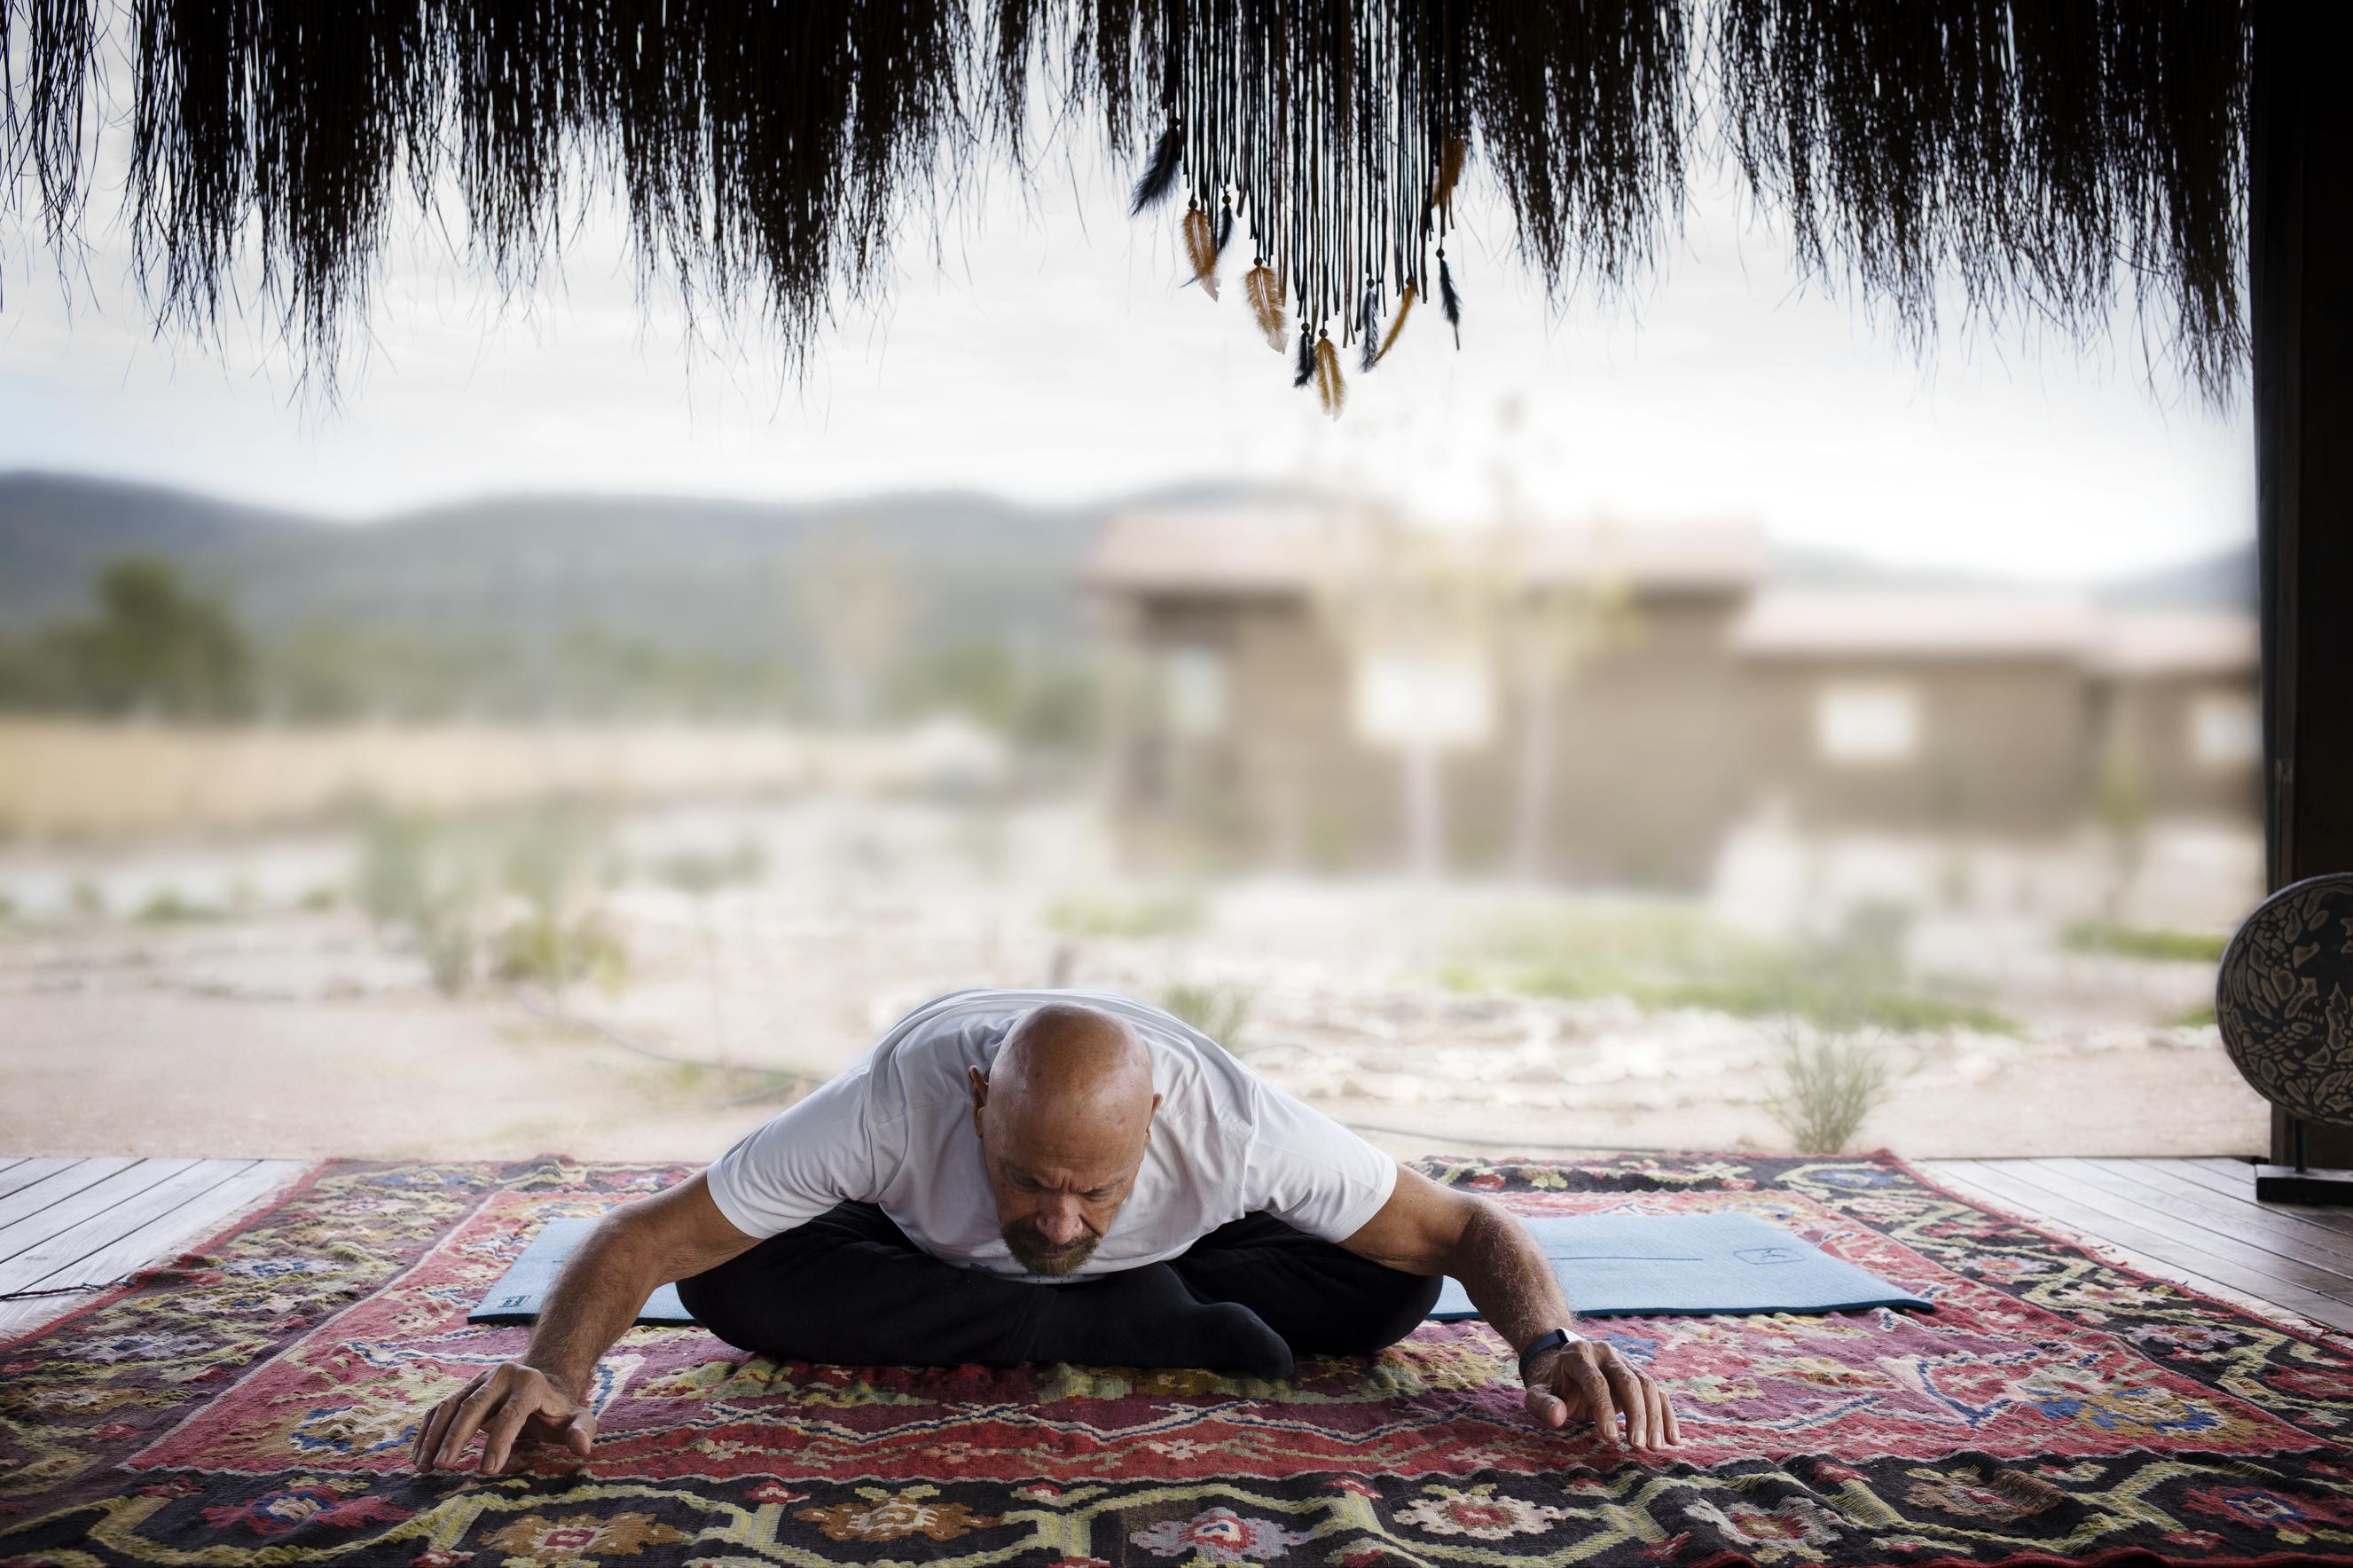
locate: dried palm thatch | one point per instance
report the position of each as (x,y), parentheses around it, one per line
(2027,150)
(766,155)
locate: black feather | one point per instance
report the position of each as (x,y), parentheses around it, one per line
(1304,370)
(1368,325)
(1160,175)
(1447,300)
(1225,228)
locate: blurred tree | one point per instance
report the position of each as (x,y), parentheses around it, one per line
(153,648)
(1033,696)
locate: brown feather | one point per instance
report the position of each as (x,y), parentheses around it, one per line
(1328,385)
(1263,288)
(1449,169)
(1397,322)
(1201,249)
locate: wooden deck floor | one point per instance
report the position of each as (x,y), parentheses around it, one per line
(2192,1221)
(71,1222)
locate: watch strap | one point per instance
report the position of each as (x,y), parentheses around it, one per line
(1544,1344)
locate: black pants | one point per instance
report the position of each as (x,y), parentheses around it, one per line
(849,1287)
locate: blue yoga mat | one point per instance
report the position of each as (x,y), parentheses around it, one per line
(516,1296)
(1688,1263)
(1610,1265)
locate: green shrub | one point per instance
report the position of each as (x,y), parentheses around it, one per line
(554,953)
(1218,1010)
(2153,943)
(1828,1087)
(1763,993)
(1662,959)
(1139,917)
(445,886)
(1458,976)
(168,907)
(445,939)
(699,872)
(396,865)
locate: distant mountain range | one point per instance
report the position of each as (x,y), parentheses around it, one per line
(717,574)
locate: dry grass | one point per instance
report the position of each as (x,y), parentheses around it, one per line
(72,779)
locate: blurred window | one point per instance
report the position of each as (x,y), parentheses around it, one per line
(2226,729)
(1422,698)
(1867,721)
(1194,688)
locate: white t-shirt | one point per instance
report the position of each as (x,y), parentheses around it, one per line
(895,1129)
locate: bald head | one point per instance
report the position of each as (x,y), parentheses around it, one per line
(1064,1114)
(1075,1065)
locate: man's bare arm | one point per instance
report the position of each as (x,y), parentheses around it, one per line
(1425,1228)
(634,1249)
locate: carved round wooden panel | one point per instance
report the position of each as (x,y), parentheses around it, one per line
(2284,999)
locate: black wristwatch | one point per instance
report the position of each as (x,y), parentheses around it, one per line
(1544,1344)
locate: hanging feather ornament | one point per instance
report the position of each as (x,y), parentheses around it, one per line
(1305,370)
(1264,291)
(1368,325)
(1225,228)
(1397,322)
(1447,300)
(1328,385)
(1201,249)
(1160,173)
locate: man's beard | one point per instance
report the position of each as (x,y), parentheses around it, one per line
(1039,1255)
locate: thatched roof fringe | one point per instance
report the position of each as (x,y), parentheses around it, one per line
(47,50)
(767,153)
(2024,148)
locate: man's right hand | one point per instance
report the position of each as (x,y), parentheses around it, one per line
(510,1401)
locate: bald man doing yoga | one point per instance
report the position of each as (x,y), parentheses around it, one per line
(1048,1175)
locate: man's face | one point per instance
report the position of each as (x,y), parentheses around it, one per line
(1058,1186)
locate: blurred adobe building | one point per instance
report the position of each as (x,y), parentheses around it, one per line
(1336,689)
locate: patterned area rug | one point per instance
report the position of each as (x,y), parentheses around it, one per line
(253,1404)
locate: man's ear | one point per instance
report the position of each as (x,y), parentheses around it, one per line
(980,1082)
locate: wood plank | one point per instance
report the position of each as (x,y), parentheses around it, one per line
(2026,1210)
(2239,1182)
(61,1184)
(8,1159)
(2029,1204)
(29,1268)
(24,1173)
(2166,1255)
(58,1219)
(162,1238)
(2210,1211)
(2244,1258)
(2331,1228)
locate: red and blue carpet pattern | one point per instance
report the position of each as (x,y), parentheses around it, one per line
(253,1404)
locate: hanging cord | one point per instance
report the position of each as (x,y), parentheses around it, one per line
(62,1290)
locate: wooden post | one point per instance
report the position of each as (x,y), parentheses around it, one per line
(2300,276)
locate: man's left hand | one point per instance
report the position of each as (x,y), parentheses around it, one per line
(1588,1380)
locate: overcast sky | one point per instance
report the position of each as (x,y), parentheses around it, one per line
(1056,357)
